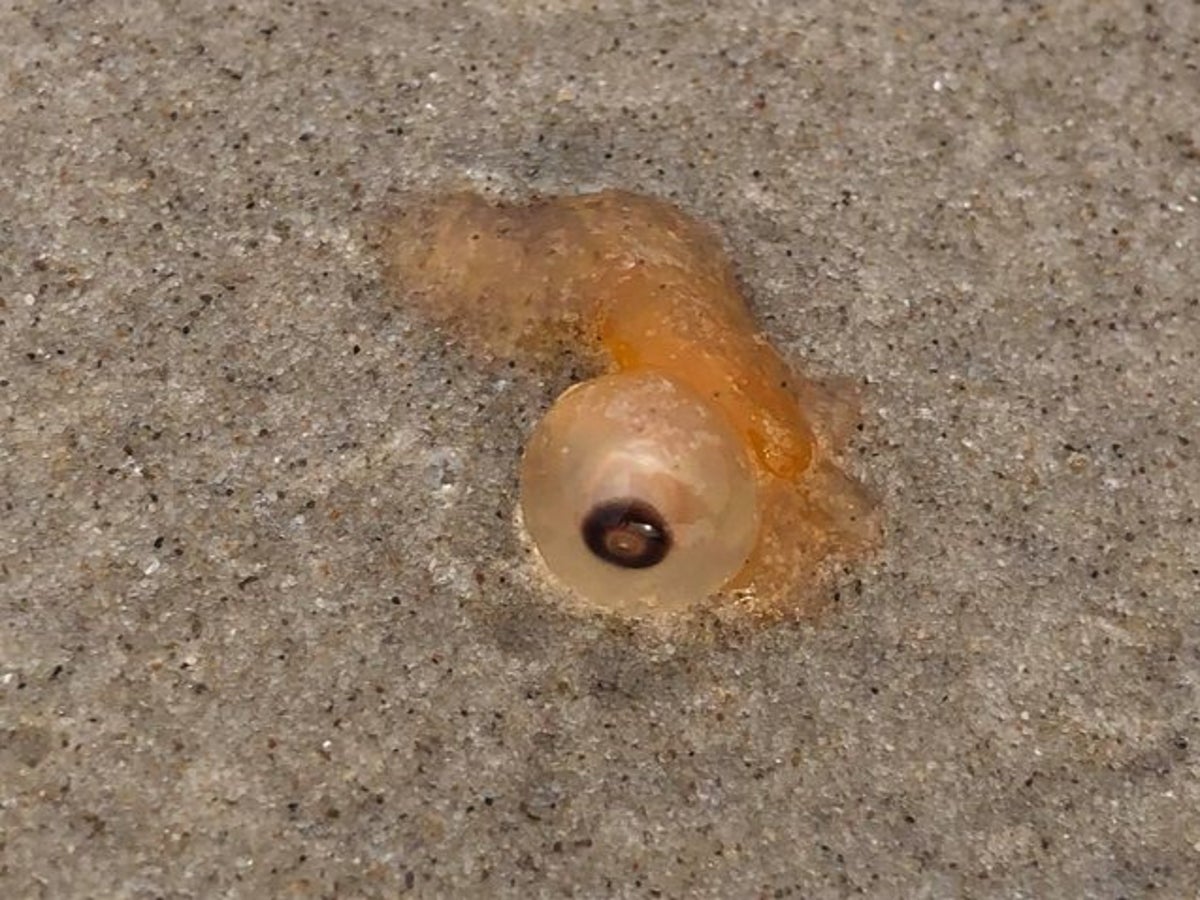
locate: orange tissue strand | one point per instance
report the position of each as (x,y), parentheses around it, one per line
(649,294)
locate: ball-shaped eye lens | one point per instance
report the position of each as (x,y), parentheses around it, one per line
(638,494)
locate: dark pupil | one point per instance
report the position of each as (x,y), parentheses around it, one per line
(627,533)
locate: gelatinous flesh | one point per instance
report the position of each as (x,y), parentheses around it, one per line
(649,294)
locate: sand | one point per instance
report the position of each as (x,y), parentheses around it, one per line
(266,628)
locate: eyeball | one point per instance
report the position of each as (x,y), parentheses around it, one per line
(638,494)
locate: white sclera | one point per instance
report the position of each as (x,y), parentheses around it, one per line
(640,436)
